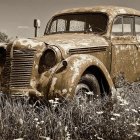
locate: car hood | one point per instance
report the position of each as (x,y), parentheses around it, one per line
(67,42)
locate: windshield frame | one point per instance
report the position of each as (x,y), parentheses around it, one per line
(48,26)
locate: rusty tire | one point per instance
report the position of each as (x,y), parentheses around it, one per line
(88,88)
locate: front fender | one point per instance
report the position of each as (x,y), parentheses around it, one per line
(65,82)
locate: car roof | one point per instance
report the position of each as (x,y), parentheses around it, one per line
(110,10)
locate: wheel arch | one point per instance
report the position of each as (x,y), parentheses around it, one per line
(78,65)
(98,73)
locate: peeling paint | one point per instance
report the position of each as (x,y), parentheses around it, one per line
(53,83)
(27,42)
(33,83)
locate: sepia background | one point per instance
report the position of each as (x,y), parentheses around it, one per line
(16,16)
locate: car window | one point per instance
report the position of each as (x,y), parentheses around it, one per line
(128,25)
(53,27)
(137,25)
(78,23)
(123,26)
(61,25)
(117,29)
(58,25)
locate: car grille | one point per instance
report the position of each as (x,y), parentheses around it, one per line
(18,68)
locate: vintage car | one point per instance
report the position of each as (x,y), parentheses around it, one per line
(82,51)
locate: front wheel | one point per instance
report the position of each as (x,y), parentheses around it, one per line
(88,88)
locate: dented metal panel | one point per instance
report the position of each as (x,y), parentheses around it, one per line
(124,57)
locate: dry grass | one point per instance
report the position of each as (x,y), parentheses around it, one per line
(73,121)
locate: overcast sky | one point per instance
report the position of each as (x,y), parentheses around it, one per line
(16,16)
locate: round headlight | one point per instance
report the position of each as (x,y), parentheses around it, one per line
(49,59)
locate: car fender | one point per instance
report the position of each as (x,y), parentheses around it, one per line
(65,82)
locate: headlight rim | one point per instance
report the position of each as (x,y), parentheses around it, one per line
(58,58)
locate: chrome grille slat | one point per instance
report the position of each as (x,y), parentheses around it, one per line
(18,68)
(87,50)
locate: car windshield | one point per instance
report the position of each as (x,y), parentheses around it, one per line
(82,22)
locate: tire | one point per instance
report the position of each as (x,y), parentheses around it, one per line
(88,88)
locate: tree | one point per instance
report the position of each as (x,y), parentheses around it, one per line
(3,37)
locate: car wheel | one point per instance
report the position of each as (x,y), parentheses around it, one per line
(87,89)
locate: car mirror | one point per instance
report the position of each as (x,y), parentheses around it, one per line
(37,24)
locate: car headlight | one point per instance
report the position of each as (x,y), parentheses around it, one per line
(49,59)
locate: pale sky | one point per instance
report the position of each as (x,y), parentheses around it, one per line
(16,16)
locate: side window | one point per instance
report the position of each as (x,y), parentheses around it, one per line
(53,27)
(128,24)
(61,25)
(123,26)
(137,25)
(58,25)
(117,29)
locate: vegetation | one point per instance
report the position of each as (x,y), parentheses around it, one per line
(3,37)
(73,121)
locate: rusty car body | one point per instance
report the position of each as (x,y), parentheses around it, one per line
(102,41)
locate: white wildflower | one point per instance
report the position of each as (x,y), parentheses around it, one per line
(116,115)
(64,91)
(67,136)
(137,134)
(125,102)
(99,138)
(138,124)
(134,110)
(133,124)
(113,119)
(100,112)
(56,99)
(54,105)
(35,119)
(55,102)
(42,122)
(127,109)
(59,123)
(89,93)
(122,104)
(76,128)
(21,121)
(45,138)
(66,128)
(122,100)
(51,101)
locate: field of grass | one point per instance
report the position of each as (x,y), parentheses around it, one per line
(73,121)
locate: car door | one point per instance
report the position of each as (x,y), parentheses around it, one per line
(137,30)
(124,48)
